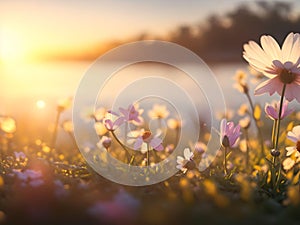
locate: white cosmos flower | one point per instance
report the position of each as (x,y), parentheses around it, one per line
(181,161)
(280,65)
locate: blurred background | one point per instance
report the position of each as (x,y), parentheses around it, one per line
(47,45)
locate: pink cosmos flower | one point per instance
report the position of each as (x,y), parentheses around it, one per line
(280,65)
(229,134)
(272,110)
(130,114)
(147,138)
(113,125)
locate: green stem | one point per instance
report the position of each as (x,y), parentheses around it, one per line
(257,126)
(275,175)
(279,117)
(128,155)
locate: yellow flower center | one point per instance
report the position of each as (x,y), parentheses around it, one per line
(287,77)
(298,146)
(146,135)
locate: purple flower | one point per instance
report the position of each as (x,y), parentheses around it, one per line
(272,110)
(130,114)
(121,209)
(113,125)
(20,156)
(31,177)
(229,134)
(147,138)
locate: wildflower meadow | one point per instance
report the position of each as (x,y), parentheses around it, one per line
(254,177)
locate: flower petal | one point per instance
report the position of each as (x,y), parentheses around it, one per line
(269,86)
(292,92)
(271,112)
(188,155)
(296,131)
(295,53)
(253,50)
(292,136)
(222,129)
(155,142)
(180,159)
(138,143)
(159,148)
(290,150)
(270,47)
(287,47)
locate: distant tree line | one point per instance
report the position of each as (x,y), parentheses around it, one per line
(222,38)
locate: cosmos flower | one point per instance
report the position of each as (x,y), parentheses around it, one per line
(229,134)
(131,114)
(280,65)
(188,156)
(146,139)
(158,112)
(294,136)
(272,110)
(113,125)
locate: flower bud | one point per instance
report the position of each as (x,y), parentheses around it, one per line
(225,142)
(275,152)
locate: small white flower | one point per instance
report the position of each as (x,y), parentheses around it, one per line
(288,163)
(181,161)
(294,136)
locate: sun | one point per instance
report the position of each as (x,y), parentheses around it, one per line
(12,49)
(40,104)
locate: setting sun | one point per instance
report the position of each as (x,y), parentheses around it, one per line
(40,104)
(11,49)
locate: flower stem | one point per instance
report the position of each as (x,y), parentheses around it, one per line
(128,155)
(225,161)
(276,174)
(279,117)
(273,132)
(148,155)
(125,134)
(260,136)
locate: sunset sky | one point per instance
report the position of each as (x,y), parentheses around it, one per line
(40,27)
